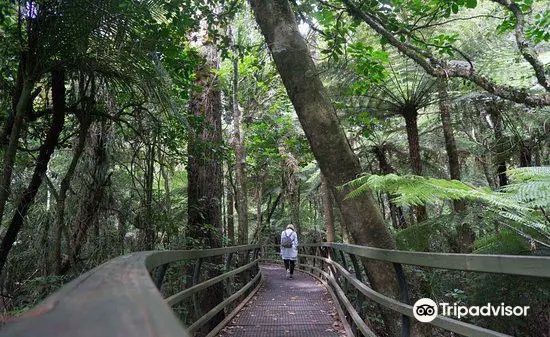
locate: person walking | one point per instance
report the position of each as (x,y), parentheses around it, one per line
(289,249)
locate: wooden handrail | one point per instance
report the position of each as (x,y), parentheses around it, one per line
(487,263)
(534,266)
(117,298)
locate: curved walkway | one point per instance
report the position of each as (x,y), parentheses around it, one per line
(283,307)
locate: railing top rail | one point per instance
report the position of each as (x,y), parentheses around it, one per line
(167,256)
(118,297)
(538,266)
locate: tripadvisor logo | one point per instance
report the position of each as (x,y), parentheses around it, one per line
(426,310)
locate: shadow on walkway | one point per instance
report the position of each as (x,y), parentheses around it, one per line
(298,307)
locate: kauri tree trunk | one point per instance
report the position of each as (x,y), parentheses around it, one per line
(328,142)
(204,171)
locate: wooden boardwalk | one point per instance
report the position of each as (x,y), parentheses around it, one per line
(288,308)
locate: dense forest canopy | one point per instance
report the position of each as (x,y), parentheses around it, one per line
(178,124)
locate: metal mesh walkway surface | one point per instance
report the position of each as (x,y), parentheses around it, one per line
(298,307)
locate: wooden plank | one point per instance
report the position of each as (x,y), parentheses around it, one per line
(206,317)
(504,264)
(365,330)
(337,305)
(235,311)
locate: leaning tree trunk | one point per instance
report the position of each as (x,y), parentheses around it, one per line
(44,155)
(411,124)
(466,236)
(328,142)
(204,169)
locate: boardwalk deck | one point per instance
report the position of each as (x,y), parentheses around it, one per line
(287,308)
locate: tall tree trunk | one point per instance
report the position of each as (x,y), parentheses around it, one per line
(169,230)
(230,219)
(88,208)
(396,212)
(46,151)
(525,153)
(450,143)
(259,197)
(328,215)
(498,130)
(241,199)
(483,161)
(23,104)
(328,142)
(411,124)
(204,170)
(147,222)
(466,236)
(64,188)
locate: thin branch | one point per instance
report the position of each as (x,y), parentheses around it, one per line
(529,54)
(455,19)
(442,69)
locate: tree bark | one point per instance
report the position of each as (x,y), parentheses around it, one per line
(466,236)
(147,222)
(46,151)
(230,218)
(450,143)
(23,104)
(88,209)
(498,130)
(328,142)
(328,215)
(414,153)
(64,188)
(396,212)
(205,172)
(241,198)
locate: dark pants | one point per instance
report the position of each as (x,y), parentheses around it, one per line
(289,264)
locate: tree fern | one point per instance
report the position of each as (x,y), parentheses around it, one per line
(522,203)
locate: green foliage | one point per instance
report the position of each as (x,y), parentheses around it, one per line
(520,203)
(370,65)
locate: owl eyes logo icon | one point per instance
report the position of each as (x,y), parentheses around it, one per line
(425,310)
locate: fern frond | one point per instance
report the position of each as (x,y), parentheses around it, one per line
(518,202)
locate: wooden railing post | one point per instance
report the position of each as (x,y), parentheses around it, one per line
(404,292)
(359,276)
(196,278)
(229,282)
(159,277)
